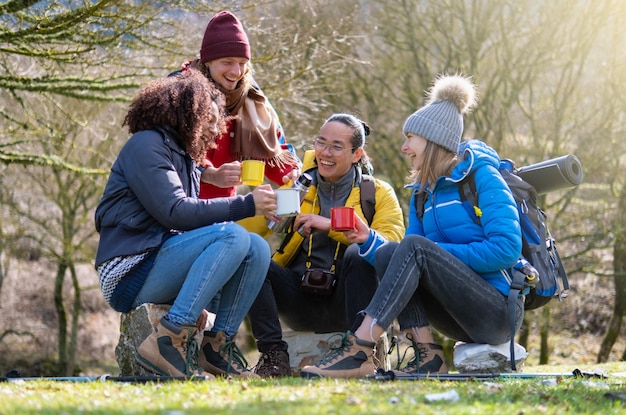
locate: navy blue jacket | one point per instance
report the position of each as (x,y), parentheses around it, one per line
(152,192)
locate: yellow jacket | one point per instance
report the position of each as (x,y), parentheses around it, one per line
(387,221)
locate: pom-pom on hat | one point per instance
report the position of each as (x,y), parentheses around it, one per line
(224,37)
(441,119)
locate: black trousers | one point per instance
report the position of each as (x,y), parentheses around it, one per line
(281,296)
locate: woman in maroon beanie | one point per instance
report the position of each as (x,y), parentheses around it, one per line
(255,132)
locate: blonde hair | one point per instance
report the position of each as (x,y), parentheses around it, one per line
(438,162)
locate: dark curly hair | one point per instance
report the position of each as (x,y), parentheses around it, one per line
(181,103)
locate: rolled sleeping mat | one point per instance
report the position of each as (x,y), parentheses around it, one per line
(554,174)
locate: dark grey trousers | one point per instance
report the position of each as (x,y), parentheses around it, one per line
(421,284)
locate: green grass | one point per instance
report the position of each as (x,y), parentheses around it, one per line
(544,395)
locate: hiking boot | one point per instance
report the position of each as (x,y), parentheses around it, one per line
(222,357)
(428,359)
(273,364)
(171,350)
(352,358)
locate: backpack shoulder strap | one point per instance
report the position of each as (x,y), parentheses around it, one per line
(368,197)
(419,200)
(469,196)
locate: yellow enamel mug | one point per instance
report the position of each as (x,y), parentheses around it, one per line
(252,172)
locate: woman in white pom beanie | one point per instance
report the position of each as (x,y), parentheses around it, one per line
(451,269)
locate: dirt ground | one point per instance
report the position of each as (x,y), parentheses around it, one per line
(28,324)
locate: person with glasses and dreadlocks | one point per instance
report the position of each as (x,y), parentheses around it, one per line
(337,165)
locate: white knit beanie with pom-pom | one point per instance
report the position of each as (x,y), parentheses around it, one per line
(441,119)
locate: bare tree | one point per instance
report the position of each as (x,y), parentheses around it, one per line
(614,67)
(619,263)
(56,207)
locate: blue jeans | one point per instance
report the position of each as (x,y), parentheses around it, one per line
(422,284)
(192,267)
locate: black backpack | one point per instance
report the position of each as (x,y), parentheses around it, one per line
(368,197)
(539,275)
(538,245)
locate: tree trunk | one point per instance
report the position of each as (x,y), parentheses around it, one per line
(544,351)
(619,269)
(71,361)
(61,316)
(523,334)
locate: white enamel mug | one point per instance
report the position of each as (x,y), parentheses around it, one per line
(288,202)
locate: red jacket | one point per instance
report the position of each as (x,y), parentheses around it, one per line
(222,154)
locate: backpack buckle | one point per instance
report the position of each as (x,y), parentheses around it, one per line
(524,275)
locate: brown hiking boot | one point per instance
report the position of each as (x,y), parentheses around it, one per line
(428,359)
(273,364)
(171,351)
(352,358)
(222,357)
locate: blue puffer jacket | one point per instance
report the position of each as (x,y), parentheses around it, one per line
(489,248)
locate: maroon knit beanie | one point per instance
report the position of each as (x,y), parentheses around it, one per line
(224,37)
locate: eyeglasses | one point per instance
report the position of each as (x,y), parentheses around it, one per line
(332,148)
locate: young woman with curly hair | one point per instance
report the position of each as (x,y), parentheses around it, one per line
(160,243)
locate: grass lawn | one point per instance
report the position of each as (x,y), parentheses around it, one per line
(539,395)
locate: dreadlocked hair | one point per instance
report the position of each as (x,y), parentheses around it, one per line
(180,103)
(360,130)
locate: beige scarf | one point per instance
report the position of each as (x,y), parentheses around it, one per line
(256,125)
(256,128)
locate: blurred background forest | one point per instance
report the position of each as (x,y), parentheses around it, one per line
(551,77)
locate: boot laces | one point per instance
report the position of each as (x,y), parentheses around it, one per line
(234,356)
(420,353)
(192,348)
(336,351)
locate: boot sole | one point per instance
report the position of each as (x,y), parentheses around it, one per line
(216,371)
(156,371)
(149,366)
(308,375)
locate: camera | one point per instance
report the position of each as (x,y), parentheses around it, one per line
(318,281)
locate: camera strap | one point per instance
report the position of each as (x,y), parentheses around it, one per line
(308,259)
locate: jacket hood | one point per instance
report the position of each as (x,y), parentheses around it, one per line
(475,154)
